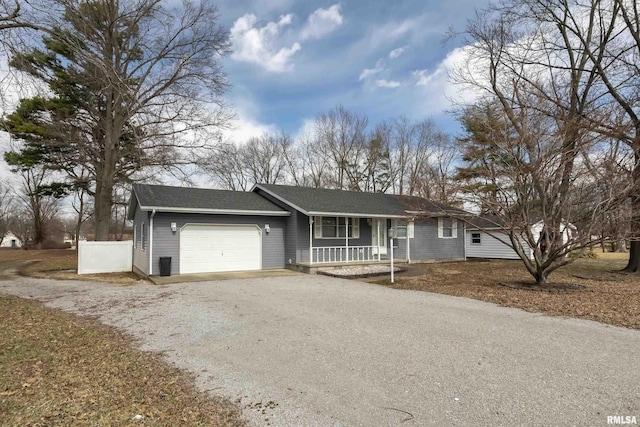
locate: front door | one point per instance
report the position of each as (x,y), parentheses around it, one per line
(379,236)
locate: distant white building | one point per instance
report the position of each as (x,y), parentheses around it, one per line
(10,241)
(481,244)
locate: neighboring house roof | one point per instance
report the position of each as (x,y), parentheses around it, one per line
(486,222)
(494,222)
(162,198)
(320,201)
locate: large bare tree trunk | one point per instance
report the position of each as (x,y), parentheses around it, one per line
(633,266)
(103,204)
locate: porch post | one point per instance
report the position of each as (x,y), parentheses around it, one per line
(310,240)
(346,226)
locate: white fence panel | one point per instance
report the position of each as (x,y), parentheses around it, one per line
(105,257)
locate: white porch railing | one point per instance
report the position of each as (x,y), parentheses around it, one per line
(330,254)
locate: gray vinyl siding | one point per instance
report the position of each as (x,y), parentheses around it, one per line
(291,230)
(302,237)
(167,242)
(490,247)
(141,256)
(427,246)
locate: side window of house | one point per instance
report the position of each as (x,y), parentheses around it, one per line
(447,228)
(401,229)
(135,235)
(475,238)
(142,235)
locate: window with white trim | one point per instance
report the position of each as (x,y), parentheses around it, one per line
(401,229)
(447,228)
(476,239)
(142,236)
(331,227)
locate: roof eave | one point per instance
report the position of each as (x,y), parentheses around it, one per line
(440,213)
(215,211)
(131,212)
(356,214)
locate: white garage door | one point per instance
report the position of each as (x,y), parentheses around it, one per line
(208,248)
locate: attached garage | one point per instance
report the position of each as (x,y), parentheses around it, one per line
(204,230)
(206,248)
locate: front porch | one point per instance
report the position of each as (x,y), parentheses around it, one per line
(346,240)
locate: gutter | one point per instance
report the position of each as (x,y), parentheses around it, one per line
(215,211)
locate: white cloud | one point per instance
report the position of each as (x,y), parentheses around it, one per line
(245,127)
(368,72)
(440,91)
(322,22)
(424,77)
(257,44)
(397,52)
(387,83)
(392,31)
(306,130)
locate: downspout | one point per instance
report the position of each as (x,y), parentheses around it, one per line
(310,240)
(153,213)
(464,233)
(408,245)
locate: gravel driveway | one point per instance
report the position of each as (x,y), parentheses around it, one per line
(313,350)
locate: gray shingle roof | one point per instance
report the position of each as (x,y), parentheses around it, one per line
(166,198)
(317,201)
(485,222)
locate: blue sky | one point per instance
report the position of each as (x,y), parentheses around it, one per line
(293,60)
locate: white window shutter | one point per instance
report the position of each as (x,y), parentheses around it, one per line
(439,228)
(318,227)
(454,228)
(355,224)
(410,230)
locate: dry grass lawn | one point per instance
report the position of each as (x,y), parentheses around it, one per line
(55,264)
(59,369)
(608,296)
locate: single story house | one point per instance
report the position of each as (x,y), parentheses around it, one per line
(278,226)
(10,241)
(482,241)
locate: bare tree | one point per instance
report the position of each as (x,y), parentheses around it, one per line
(265,159)
(312,167)
(545,86)
(343,134)
(612,44)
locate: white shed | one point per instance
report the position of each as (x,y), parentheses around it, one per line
(10,241)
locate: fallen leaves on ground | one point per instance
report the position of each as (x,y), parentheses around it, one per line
(59,369)
(608,295)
